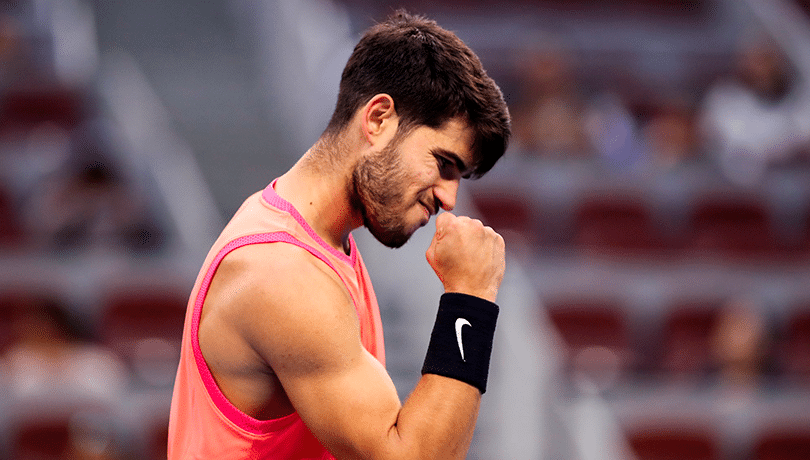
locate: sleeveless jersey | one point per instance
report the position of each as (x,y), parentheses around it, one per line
(203,424)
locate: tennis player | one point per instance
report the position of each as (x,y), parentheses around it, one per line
(282,353)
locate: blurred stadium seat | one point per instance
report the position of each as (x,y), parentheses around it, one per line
(792,349)
(11,234)
(731,226)
(144,325)
(596,336)
(669,442)
(510,212)
(158,441)
(783,444)
(618,224)
(804,242)
(9,301)
(22,109)
(686,339)
(47,439)
(70,432)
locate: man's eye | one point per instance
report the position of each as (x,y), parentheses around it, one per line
(443,162)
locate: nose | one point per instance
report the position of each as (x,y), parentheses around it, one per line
(445,192)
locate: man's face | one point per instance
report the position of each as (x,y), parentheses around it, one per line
(401,186)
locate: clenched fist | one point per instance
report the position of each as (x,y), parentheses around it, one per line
(468,257)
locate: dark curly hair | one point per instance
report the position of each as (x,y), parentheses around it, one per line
(432,77)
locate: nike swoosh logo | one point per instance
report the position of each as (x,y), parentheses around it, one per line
(461,322)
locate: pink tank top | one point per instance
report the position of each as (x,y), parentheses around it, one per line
(203,424)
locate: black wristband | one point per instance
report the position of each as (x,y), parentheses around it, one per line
(461,342)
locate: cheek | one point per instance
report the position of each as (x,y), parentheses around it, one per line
(425,177)
(420,186)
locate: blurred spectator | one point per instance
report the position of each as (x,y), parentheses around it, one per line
(50,356)
(739,344)
(669,136)
(62,388)
(613,132)
(555,119)
(548,120)
(89,201)
(76,205)
(753,119)
(11,50)
(655,135)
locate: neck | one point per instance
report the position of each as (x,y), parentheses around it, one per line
(320,190)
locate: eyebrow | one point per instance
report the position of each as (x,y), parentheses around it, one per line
(462,167)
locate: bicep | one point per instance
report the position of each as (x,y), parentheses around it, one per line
(308,333)
(350,405)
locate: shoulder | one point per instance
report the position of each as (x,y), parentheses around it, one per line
(278,295)
(272,274)
(279,269)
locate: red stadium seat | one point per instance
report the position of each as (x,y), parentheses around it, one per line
(24,108)
(72,431)
(144,325)
(787,444)
(11,233)
(674,443)
(596,336)
(804,242)
(731,226)
(158,441)
(686,347)
(142,313)
(9,304)
(47,439)
(508,211)
(618,224)
(793,348)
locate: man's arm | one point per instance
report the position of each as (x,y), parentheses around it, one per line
(308,332)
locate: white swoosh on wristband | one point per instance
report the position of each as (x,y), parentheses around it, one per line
(461,322)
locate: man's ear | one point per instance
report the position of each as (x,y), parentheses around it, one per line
(379,119)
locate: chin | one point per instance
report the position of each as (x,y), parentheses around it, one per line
(392,241)
(392,238)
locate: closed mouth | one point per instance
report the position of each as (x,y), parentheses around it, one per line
(429,209)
